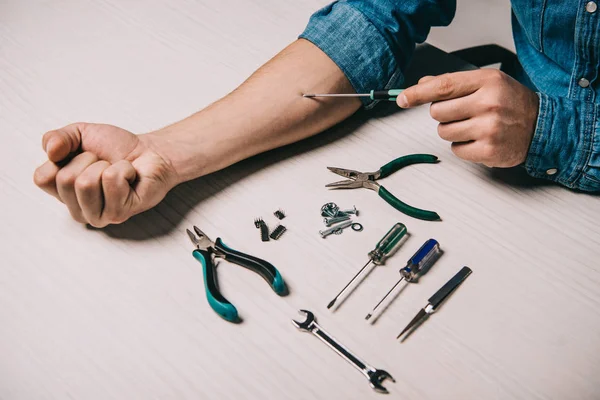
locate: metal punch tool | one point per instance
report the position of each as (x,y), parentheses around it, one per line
(374,375)
(357,179)
(204,252)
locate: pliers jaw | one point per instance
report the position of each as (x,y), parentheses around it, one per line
(356,179)
(202,242)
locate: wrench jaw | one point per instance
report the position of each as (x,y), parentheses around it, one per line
(306,325)
(376,377)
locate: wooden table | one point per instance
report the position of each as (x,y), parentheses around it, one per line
(121,313)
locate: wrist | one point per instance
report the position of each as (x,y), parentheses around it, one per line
(194,148)
(180,156)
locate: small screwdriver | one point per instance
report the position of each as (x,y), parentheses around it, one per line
(414,267)
(378,255)
(389,95)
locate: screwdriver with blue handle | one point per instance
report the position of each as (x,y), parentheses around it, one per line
(415,267)
(204,252)
(389,95)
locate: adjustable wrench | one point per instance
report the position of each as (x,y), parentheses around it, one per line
(375,376)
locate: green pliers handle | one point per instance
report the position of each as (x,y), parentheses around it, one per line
(392,200)
(389,95)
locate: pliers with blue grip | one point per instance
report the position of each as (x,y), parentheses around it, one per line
(206,250)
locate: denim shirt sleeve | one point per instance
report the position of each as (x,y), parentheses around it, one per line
(372,41)
(566,143)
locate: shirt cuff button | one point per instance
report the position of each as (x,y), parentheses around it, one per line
(551,171)
(591,7)
(583,83)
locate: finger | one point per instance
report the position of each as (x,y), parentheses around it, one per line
(455,109)
(468,151)
(45,178)
(442,87)
(461,131)
(88,190)
(65,182)
(426,78)
(120,199)
(58,144)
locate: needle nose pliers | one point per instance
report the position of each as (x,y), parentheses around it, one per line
(206,250)
(357,179)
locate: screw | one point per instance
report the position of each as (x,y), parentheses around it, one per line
(353,211)
(335,229)
(335,220)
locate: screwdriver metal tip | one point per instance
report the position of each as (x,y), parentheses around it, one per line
(368,316)
(331,303)
(309,95)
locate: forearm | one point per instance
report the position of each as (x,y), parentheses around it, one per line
(265,112)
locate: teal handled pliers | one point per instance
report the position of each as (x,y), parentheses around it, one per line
(357,179)
(206,250)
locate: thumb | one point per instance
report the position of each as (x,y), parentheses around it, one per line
(58,144)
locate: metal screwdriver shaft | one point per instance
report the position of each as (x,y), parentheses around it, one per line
(383,249)
(332,302)
(311,95)
(369,315)
(416,266)
(389,95)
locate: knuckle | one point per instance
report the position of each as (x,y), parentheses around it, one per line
(85,184)
(39,178)
(445,85)
(110,175)
(494,125)
(434,111)
(65,178)
(495,75)
(443,131)
(488,153)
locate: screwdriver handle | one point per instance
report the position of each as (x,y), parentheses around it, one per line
(421,260)
(388,243)
(389,95)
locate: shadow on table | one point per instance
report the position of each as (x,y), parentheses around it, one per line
(178,203)
(517,177)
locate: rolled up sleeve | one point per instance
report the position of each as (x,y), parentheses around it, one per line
(373,41)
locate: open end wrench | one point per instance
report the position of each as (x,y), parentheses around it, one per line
(375,376)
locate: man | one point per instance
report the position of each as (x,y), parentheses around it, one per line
(550,122)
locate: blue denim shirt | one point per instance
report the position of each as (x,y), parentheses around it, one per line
(558,45)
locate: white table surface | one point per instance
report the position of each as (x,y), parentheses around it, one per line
(121,313)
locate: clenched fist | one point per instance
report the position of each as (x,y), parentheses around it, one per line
(488,116)
(102,173)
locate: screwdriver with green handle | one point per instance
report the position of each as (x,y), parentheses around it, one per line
(389,95)
(384,249)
